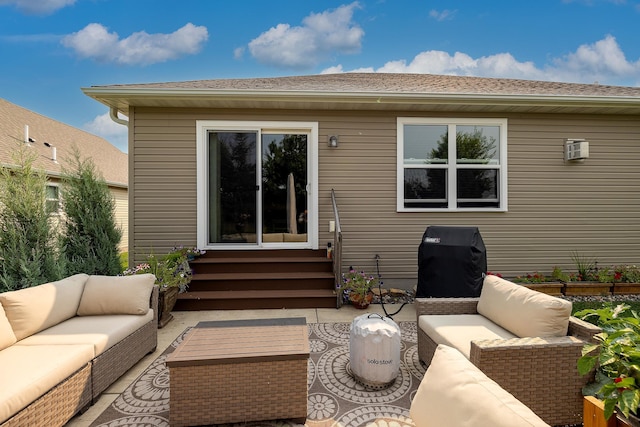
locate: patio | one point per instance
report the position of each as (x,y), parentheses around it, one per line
(184,319)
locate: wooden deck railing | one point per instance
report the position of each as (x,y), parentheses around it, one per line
(337,249)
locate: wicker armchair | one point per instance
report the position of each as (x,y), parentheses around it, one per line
(540,372)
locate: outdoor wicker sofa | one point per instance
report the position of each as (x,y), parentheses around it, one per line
(454,392)
(524,340)
(63,343)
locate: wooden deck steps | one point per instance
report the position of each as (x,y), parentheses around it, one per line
(225,280)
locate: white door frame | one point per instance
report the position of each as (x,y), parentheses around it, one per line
(202,129)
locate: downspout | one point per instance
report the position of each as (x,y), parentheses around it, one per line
(113,113)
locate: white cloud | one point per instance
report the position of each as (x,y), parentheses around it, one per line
(319,36)
(106,128)
(238,52)
(603,61)
(96,42)
(442,15)
(37,7)
(596,62)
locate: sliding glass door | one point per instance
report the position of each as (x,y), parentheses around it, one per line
(257,183)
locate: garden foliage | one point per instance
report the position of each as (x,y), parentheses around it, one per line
(91,235)
(29,251)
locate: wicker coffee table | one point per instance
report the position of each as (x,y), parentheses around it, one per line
(240,371)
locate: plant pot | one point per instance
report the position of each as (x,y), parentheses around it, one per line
(167,299)
(594,415)
(631,421)
(359,302)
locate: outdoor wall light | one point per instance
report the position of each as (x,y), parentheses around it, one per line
(333,141)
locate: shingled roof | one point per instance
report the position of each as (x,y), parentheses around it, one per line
(376,91)
(399,83)
(110,161)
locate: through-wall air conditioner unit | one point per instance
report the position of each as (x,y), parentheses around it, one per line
(576,149)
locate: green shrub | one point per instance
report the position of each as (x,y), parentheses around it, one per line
(91,236)
(28,243)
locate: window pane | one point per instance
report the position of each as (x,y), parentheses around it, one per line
(52,206)
(478,144)
(232,186)
(425,188)
(425,144)
(51,192)
(284,163)
(477,187)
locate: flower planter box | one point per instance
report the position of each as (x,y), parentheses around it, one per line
(593,415)
(587,288)
(626,288)
(549,288)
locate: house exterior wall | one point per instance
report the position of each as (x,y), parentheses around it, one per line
(120,195)
(554,207)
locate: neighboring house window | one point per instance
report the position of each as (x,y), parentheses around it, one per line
(52,199)
(452,164)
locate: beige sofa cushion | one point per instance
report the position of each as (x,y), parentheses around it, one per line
(116,295)
(525,312)
(29,372)
(454,392)
(457,330)
(101,332)
(7,337)
(31,310)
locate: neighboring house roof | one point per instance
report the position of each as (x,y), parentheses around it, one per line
(111,162)
(376,91)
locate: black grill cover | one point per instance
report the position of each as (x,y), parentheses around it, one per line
(452,262)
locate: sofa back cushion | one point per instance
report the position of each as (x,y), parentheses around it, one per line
(7,337)
(31,310)
(454,392)
(116,295)
(522,311)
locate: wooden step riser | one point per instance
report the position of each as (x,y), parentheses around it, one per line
(254,304)
(265,279)
(273,267)
(249,285)
(284,253)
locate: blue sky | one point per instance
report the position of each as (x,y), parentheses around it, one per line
(52,48)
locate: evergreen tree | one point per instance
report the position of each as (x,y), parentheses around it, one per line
(29,254)
(91,235)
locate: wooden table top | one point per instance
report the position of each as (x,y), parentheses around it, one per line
(242,341)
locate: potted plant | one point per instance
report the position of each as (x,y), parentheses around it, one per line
(357,287)
(616,360)
(173,275)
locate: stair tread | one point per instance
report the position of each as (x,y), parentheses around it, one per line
(254,276)
(300,293)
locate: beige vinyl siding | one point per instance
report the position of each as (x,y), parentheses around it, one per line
(554,208)
(120,195)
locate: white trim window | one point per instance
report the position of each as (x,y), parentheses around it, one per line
(52,199)
(452,164)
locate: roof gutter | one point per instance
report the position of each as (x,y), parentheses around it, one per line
(113,113)
(120,94)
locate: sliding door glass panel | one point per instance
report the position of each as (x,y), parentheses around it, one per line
(284,187)
(232,187)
